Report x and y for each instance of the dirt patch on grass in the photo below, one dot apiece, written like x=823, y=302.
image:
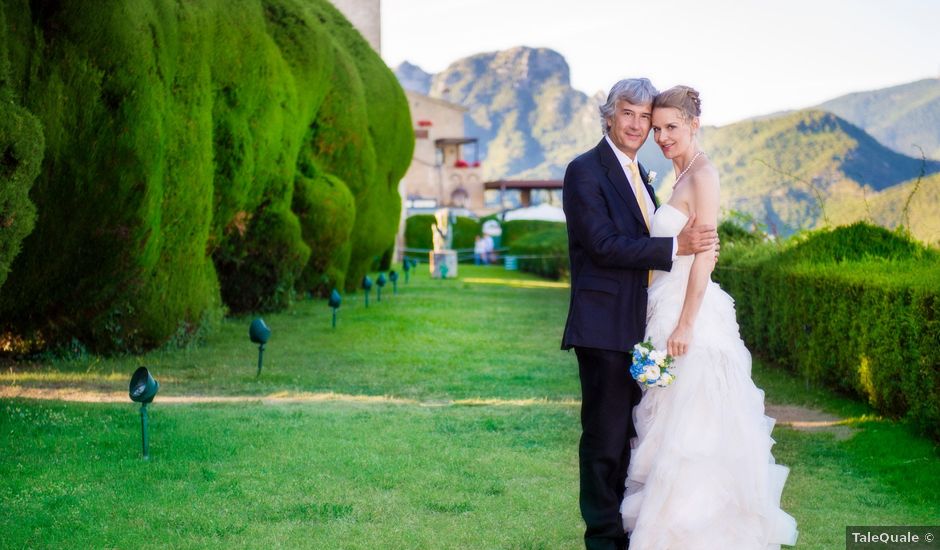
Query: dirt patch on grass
x=809, y=420
x=799, y=418
x=85, y=395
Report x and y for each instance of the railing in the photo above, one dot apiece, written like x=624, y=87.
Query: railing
x=421, y=254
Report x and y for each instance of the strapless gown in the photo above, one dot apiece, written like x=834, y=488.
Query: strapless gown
x=701, y=475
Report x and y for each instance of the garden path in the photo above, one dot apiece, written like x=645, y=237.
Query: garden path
x=796, y=417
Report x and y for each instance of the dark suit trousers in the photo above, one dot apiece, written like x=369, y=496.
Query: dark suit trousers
x=608, y=394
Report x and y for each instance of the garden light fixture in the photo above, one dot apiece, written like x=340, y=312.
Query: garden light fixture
x=259, y=333
x=142, y=390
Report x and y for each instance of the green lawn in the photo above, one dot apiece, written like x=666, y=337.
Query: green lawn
x=330, y=475
x=433, y=340
x=430, y=470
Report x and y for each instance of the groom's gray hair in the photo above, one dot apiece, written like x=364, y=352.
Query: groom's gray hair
x=638, y=91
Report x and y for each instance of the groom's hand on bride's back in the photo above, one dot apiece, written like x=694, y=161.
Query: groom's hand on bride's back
x=697, y=238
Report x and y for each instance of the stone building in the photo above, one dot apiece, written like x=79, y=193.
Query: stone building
x=445, y=169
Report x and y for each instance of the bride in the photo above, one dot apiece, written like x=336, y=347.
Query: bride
x=701, y=474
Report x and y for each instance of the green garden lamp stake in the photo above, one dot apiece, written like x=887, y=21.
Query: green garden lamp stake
x=406, y=267
x=259, y=333
x=142, y=390
x=381, y=282
x=367, y=286
x=335, y=301
x=393, y=277
x=443, y=272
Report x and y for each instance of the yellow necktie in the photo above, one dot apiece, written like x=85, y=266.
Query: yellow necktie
x=640, y=191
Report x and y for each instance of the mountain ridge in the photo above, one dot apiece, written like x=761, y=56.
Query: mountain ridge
x=902, y=117
x=777, y=167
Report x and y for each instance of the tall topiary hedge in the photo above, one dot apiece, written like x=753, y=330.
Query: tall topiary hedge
x=175, y=135
x=856, y=309
x=374, y=152
x=319, y=197
x=21, y=150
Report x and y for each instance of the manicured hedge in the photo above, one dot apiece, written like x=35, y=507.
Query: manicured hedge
x=188, y=147
x=551, y=247
x=418, y=232
x=21, y=151
x=516, y=229
x=317, y=198
x=856, y=309
x=362, y=135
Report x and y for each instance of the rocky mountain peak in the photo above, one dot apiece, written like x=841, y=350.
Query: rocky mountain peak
x=524, y=64
x=413, y=77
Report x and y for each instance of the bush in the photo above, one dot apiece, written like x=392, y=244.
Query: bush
x=732, y=234
x=551, y=244
x=327, y=212
x=859, y=241
x=418, y=232
x=363, y=134
x=856, y=309
x=517, y=229
x=175, y=134
x=258, y=268
x=21, y=148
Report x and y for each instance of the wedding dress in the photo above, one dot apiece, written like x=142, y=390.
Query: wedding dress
x=701, y=475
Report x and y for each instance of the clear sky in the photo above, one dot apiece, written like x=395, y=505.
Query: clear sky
x=746, y=57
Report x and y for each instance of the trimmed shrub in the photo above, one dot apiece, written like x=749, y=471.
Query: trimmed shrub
x=327, y=212
x=257, y=269
x=516, y=229
x=369, y=148
x=418, y=232
x=552, y=247
x=174, y=137
x=859, y=241
x=465, y=233
x=21, y=148
x=856, y=309
x=124, y=196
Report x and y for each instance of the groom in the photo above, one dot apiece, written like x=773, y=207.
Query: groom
x=609, y=203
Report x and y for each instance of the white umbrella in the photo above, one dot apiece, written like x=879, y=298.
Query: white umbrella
x=492, y=228
x=544, y=212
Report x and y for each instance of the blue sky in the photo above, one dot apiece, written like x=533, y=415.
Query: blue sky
x=747, y=57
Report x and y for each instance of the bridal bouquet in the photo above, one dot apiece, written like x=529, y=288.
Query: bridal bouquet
x=651, y=367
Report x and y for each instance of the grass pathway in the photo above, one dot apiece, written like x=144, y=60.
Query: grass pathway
x=794, y=416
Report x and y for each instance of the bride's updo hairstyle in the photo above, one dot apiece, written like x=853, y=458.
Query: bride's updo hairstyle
x=683, y=98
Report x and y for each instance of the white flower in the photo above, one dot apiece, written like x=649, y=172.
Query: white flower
x=641, y=378
x=652, y=177
x=652, y=372
x=666, y=379
x=658, y=356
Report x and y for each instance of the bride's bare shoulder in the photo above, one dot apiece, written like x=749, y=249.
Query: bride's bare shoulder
x=705, y=179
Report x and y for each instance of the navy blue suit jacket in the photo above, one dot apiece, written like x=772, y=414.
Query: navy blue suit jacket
x=610, y=250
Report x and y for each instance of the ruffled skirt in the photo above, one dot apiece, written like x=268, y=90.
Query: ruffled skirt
x=701, y=474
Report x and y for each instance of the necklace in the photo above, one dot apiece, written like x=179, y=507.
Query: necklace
x=679, y=177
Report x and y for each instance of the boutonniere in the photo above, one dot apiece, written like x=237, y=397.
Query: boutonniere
x=651, y=178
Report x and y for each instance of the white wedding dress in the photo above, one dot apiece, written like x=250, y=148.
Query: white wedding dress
x=701, y=474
